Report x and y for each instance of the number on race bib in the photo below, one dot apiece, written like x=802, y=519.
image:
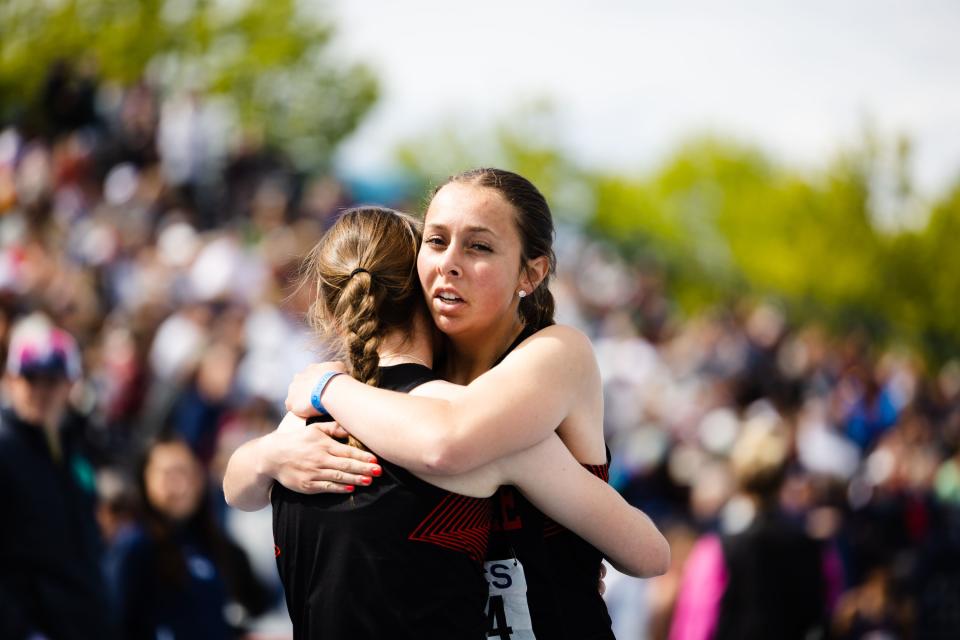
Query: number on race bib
x=497, y=619
x=508, y=614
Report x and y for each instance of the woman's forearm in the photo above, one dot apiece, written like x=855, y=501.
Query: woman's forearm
x=510, y=407
x=435, y=435
x=552, y=479
x=246, y=481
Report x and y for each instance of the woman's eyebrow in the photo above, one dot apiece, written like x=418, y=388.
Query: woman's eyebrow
x=481, y=229
x=471, y=229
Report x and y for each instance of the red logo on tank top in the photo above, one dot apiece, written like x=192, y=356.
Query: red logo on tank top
x=276, y=551
x=459, y=523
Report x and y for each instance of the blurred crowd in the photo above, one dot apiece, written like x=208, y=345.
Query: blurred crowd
x=168, y=245
x=738, y=427
x=171, y=256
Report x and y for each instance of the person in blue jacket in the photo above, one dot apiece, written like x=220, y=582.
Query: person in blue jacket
x=51, y=584
x=177, y=574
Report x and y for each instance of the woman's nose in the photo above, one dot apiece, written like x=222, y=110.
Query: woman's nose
x=450, y=263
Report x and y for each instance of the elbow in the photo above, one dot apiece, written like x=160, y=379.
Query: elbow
x=652, y=559
x=658, y=559
x=233, y=498
x=241, y=497
x=233, y=493
x=445, y=458
x=230, y=496
x=240, y=503
x=664, y=558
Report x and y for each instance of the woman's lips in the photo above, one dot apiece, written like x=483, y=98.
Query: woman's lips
x=447, y=299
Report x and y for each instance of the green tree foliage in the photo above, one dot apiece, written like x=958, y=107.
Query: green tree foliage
x=523, y=142
x=725, y=222
x=269, y=57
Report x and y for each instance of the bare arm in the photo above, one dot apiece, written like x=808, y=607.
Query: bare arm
x=301, y=457
x=552, y=479
x=510, y=407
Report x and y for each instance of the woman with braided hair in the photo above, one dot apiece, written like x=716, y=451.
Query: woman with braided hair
x=483, y=265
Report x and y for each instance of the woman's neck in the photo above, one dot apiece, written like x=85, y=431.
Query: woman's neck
x=469, y=357
x=398, y=347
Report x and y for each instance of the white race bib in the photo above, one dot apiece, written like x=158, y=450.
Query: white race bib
x=508, y=615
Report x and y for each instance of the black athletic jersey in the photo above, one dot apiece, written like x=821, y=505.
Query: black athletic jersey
x=400, y=559
x=562, y=570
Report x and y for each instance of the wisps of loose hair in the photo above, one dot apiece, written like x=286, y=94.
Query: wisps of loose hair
x=364, y=274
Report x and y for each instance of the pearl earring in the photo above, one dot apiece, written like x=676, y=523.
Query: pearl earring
x=521, y=294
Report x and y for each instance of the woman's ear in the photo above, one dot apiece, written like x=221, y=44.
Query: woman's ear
x=533, y=273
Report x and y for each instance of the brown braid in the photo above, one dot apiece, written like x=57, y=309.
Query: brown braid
x=364, y=268
x=357, y=311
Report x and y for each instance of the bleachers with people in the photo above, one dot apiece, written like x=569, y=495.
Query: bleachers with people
x=171, y=261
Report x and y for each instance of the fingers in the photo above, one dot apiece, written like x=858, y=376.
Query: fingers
x=344, y=480
x=346, y=451
x=603, y=571
x=336, y=477
x=332, y=429
x=358, y=472
x=324, y=486
x=341, y=458
x=356, y=467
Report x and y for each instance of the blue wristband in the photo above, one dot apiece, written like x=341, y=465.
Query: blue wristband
x=319, y=387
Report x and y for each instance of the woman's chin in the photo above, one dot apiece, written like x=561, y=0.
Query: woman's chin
x=448, y=325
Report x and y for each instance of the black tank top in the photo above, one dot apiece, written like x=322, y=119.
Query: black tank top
x=400, y=559
x=562, y=570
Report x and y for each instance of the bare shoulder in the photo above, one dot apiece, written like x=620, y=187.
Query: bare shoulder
x=562, y=339
x=555, y=353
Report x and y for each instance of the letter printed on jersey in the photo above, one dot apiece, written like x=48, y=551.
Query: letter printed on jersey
x=508, y=615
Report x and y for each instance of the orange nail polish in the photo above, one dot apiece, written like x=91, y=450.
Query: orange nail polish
x=366, y=480
x=349, y=487
x=377, y=471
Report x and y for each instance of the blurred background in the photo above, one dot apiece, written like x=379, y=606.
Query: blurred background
x=758, y=210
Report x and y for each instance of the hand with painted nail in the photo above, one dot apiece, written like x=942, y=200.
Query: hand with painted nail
x=307, y=460
x=301, y=457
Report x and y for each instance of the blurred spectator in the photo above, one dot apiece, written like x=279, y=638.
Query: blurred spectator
x=66, y=101
x=177, y=574
x=50, y=551
x=871, y=610
x=763, y=579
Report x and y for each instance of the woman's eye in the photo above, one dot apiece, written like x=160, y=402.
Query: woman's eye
x=435, y=241
x=479, y=246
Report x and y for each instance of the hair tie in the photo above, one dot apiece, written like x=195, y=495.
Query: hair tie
x=360, y=270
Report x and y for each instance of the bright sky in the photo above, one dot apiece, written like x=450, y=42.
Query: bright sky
x=632, y=77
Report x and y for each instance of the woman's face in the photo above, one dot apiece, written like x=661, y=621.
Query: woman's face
x=174, y=481
x=469, y=263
